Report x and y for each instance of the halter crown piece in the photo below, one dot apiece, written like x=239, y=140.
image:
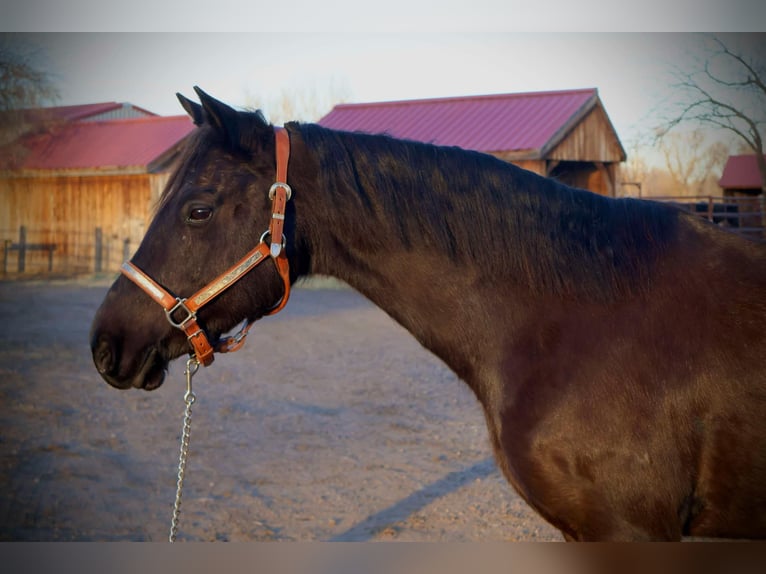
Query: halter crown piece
x=279, y=194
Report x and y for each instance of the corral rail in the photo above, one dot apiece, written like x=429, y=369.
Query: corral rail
x=743, y=215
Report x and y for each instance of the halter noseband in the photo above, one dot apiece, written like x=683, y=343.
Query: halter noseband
x=279, y=194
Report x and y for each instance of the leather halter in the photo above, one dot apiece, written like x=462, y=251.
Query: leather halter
x=279, y=194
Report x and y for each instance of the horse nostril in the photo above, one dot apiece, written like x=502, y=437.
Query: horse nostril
x=103, y=356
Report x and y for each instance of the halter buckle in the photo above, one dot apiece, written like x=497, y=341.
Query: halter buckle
x=180, y=306
x=274, y=248
x=278, y=184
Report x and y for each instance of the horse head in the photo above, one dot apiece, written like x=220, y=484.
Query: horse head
x=213, y=211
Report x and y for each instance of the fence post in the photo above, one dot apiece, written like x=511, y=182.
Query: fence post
x=22, y=248
x=99, y=249
x=126, y=249
x=108, y=244
x=6, y=248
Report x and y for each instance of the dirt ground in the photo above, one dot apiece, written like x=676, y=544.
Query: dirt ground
x=332, y=424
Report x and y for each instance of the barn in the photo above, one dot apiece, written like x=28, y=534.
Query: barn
x=77, y=194
x=565, y=134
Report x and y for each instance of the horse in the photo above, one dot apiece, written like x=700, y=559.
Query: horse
x=616, y=346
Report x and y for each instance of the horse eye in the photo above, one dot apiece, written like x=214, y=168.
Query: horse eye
x=199, y=214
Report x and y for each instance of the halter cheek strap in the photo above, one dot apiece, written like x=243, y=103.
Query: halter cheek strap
x=182, y=313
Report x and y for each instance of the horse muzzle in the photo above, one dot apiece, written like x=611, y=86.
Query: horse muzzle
x=148, y=374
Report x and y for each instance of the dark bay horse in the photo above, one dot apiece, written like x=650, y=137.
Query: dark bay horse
x=617, y=347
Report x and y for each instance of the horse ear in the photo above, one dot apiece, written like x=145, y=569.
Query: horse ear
x=219, y=115
x=238, y=130
x=192, y=108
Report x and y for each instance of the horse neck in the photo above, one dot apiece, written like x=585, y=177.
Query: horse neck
x=371, y=222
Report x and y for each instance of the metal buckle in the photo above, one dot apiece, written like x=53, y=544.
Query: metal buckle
x=275, y=248
x=241, y=334
x=180, y=305
x=233, y=342
x=266, y=234
x=273, y=190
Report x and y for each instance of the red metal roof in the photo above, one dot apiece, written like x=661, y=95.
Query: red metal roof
x=492, y=123
x=75, y=113
x=107, y=144
x=741, y=172
x=78, y=112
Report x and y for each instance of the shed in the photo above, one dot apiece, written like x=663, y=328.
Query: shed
x=743, y=188
x=565, y=134
x=86, y=186
x=741, y=176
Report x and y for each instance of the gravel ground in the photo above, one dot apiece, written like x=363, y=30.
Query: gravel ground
x=332, y=424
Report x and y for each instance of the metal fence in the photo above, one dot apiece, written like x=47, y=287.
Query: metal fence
x=745, y=216
x=29, y=252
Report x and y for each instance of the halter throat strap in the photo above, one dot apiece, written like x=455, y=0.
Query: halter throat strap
x=182, y=312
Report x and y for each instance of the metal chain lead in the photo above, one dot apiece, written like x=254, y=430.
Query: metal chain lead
x=189, y=397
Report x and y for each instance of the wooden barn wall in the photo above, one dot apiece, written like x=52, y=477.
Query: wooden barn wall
x=535, y=165
x=593, y=176
x=592, y=139
x=66, y=210
x=586, y=175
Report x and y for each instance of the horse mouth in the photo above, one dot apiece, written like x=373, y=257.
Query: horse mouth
x=150, y=375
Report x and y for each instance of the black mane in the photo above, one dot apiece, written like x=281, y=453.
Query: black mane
x=519, y=225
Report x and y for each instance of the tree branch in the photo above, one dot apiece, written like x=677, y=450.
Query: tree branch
x=712, y=114
x=753, y=76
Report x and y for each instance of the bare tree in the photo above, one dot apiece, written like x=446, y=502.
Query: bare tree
x=308, y=103
x=634, y=172
x=681, y=161
x=22, y=86
x=691, y=160
x=728, y=91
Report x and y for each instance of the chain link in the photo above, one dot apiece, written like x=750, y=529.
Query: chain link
x=189, y=397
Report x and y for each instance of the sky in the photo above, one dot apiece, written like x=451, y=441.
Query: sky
x=304, y=47
x=631, y=71
x=413, y=16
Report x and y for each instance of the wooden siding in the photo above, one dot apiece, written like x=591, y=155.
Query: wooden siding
x=594, y=176
x=591, y=139
x=533, y=165
x=66, y=210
